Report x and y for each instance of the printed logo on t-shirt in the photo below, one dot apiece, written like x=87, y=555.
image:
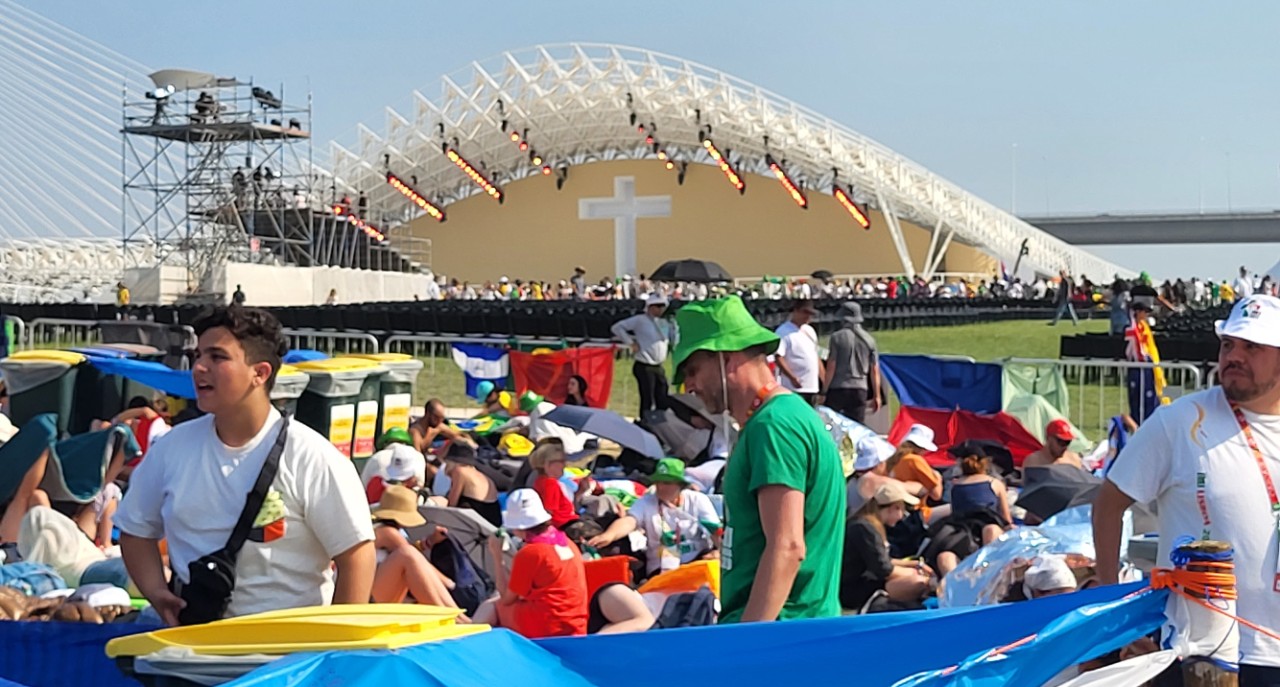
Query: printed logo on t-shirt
x=1198, y=435
x=269, y=525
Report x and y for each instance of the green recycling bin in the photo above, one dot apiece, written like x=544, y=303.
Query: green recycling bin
x=42, y=382
x=341, y=402
x=396, y=393
x=290, y=385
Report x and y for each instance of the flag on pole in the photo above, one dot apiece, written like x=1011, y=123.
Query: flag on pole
x=481, y=363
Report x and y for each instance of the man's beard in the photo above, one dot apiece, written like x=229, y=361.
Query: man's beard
x=1240, y=391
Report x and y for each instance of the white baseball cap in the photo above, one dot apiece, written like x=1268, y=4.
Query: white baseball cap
x=655, y=298
x=920, y=436
x=872, y=451
x=1049, y=572
x=524, y=510
x=1254, y=318
x=405, y=462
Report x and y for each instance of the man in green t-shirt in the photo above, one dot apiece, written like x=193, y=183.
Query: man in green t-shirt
x=784, y=493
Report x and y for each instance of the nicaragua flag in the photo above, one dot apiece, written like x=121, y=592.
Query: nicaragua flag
x=480, y=363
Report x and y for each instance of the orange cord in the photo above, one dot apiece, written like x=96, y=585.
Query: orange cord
x=1199, y=586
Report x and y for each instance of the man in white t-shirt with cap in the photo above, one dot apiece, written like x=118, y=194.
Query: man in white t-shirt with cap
x=1209, y=462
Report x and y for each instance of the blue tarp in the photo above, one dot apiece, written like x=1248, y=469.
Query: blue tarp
x=1083, y=634
x=825, y=651
x=173, y=382
x=499, y=657
x=926, y=382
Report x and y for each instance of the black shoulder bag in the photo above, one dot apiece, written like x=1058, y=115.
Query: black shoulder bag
x=213, y=576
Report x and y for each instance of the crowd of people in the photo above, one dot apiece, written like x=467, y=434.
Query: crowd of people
x=761, y=487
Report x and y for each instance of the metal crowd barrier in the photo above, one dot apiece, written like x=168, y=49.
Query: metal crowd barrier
x=47, y=332
x=1102, y=386
x=333, y=342
x=20, y=341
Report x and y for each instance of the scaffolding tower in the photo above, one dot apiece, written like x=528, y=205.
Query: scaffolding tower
x=216, y=170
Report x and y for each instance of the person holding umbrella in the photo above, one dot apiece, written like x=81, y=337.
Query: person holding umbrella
x=784, y=482
x=649, y=336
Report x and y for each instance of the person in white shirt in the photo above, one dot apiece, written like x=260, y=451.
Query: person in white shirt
x=677, y=522
x=799, y=365
x=1208, y=462
x=192, y=487
x=1243, y=285
x=650, y=338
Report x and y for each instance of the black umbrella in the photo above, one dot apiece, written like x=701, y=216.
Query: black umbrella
x=822, y=274
x=1000, y=456
x=700, y=271
x=1055, y=494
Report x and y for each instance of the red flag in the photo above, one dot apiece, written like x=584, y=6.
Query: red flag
x=952, y=427
x=547, y=374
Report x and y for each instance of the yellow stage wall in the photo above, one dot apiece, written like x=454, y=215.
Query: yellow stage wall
x=536, y=233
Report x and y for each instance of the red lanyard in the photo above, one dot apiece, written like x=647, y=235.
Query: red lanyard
x=761, y=396
x=1201, y=500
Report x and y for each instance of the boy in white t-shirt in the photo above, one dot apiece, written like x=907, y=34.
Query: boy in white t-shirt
x=799, y=364
x=192, y=487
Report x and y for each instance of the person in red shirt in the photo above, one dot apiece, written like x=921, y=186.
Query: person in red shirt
x=548, y=462
x=545, y=594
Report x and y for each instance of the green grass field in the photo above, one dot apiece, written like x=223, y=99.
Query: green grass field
x=442, y=379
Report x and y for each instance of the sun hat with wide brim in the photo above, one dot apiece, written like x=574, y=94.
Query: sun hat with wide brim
x=399, y=505
x=719, y=325
x=524, y=510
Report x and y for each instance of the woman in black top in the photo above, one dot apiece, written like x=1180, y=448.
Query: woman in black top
x=577, y=395
x=867, y=567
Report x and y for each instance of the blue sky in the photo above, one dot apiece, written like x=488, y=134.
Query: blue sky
x=1113, y=107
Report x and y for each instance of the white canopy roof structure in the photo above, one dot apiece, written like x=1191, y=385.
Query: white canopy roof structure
x=576, y=102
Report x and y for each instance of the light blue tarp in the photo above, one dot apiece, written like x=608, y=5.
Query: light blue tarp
x=499, y=657
x=926, y=382
x=1083, y=634
x=172, y=382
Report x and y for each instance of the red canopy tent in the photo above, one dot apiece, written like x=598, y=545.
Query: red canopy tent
x=547, y=374
x=950, y=427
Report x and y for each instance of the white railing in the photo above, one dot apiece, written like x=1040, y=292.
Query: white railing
x=48, y=332
x=333, y=342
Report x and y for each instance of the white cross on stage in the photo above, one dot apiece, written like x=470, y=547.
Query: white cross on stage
x=623, y=208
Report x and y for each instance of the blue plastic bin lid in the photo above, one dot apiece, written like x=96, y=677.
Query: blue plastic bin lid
x=304, y=355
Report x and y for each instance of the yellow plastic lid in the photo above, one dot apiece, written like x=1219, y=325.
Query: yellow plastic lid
x=68, y=357
x=382, y=357
x=339, y=365
x=316, y=628
x=289, y=371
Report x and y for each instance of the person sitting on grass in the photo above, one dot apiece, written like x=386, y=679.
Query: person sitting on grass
x=402, y=569
x=490, y=400
x=548, y=462
x=468, y=487
x=867, y=573
x=432, y=426
x=577, y=392
x=545, y=594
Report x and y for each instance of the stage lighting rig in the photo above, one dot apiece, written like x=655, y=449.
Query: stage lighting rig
x=846, y=201
x=722, y=161
x=369, y=230
x=472, y=173
x=416, y=198
x=792, y=188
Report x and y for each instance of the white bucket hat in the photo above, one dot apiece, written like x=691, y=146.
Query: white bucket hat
x=920, y=436
x=872, y=451
x=524, y=510
x=1254, y=318
x=405, y=462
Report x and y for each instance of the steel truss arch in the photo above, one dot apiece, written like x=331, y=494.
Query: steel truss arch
x=573, y=98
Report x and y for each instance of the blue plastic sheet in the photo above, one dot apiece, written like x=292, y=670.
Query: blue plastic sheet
x=926, y=382
x=1081, y=635
x=53, y=654
x=175, y=383
x=498, y=657
x=867, y=650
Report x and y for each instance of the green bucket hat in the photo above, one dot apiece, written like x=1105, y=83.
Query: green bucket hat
x=669, y=470
x=720, y=325
x=395, y=435
x=529, y=400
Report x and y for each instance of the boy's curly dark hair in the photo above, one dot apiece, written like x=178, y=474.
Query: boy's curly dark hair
x=257, y=330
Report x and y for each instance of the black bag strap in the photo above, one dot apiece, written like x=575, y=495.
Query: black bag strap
x=253, y=502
